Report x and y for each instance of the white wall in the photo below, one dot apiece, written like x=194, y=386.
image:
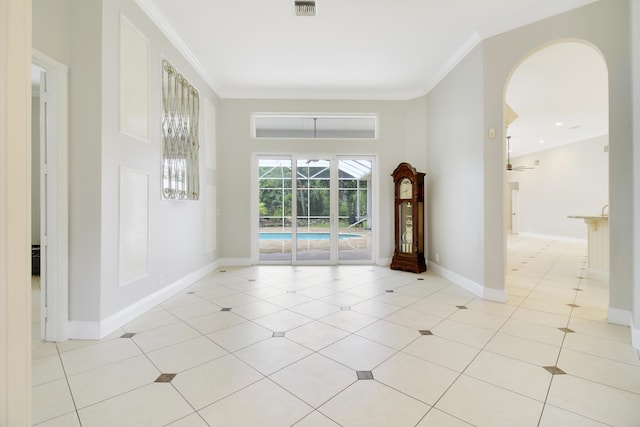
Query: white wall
x=236, y=147
x=570, y=180
x=635, y=44
x=455, y=207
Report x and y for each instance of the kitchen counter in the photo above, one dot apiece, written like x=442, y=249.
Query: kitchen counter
x=598, y=242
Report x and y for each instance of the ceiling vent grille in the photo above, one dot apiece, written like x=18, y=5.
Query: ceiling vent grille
x=305, y=8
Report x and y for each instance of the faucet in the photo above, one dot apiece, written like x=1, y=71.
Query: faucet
x=603, y=208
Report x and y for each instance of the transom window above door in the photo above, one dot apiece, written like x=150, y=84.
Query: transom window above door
x=314, y=126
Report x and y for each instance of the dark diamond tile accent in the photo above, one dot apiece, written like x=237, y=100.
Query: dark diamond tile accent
x=128, y=335
x=278, y=334
x=578, y=289
x=566, y=330
x=365, y=375
x=580, y=277
x=425, y=332
x=226, y=309
x=420, y=278
x=345, y=308
x=252, y=280
x=191, y=293
x=524, y=262
x=337, y=280
x=165, y=378
x=291, y=292
x=223, y=271
x=389, y=290
x=554, y=370
x=514, y=269
x=462, y=307
x=573, y=305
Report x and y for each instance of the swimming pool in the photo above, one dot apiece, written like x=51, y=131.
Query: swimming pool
x=306, y=236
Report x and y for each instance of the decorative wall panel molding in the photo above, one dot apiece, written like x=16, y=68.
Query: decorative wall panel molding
x=134, y=226
x=134, y=81
x=210, y=218
x=180, y=139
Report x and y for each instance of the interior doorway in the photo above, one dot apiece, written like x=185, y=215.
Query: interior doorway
x=556, y=120
x=50, y=208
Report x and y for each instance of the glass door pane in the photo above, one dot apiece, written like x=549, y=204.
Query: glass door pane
x=313, y=234
x=275, y=199
x=355, y=208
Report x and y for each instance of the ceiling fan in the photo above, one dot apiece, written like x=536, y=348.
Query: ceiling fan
x=510, y=167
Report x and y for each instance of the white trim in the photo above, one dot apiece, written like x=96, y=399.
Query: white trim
x=498, y=295
x=152, y=11
x=99, y=330
x=619, y=316
x=635, y=338
x=598, y=274
x=57, y=281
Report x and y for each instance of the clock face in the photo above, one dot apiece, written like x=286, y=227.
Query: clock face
x=406, y=189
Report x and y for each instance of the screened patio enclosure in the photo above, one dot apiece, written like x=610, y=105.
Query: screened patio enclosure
x=315, y=210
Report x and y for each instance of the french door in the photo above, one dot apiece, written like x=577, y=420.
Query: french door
x=315, y=210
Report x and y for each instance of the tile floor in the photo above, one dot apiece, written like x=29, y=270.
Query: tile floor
x=355, y=346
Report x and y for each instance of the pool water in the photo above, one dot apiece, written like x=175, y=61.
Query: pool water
x=306, y=236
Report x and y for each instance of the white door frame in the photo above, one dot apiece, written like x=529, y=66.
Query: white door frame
x=55, y=212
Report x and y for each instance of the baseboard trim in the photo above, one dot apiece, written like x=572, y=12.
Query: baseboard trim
x=98, y=330
x=619, y=316
x=498, y=295
x=635, y=338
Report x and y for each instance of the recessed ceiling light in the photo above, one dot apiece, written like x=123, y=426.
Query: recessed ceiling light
x=559, y=123
x=541, y=141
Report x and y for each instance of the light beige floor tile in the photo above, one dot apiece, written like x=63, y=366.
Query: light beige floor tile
x=315, y=379
x=414, y=319
x=185, y=355
x=343, y=299
x=100, y=354
x=603, y=371
x=315, y=309
x=389, y=334
x=348, y=320
x=215, y=321
x=554, y=417
x=595, y=401
x=316, y=419
x=396, y=298
x=370, y=404
x=437, y=418
x=50, y=400
x=240, y=336
x=375, y=308
x=193, y=420
x=150, y=320
x=479, y=319
x=155, y=404
x=180, y=300
x=449, y=298
x=227, y=373
x=316, y=292
x=164, y=336
x=41, y=348
x=256, y=309
x=443, y=352
x=46, y=369
x=212, y=292
x=483, y=404
x=533, y=331
x=520, y=377
x=541, y=317
x=433, y=307
x=266, y=292
x=197, y=309
x=67, y=420
x=358, y=353
x=288, y=300
x=533, y=352
x=366, y=291
x=553, y=307
x=491, y=307
x=254, y=406
x=273, y=354
x=415, y=377
x=234, y=300
x=463, y=333
x=603, y=347
x=105, y=382
x=282, y=321
x=601, y=329
x=316, y=335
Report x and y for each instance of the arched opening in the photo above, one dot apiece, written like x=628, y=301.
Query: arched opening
x=557, y=176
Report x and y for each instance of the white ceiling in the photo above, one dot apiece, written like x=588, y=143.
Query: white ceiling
x=352, y=49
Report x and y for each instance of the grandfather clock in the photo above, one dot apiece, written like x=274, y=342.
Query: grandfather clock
x=408, y=254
